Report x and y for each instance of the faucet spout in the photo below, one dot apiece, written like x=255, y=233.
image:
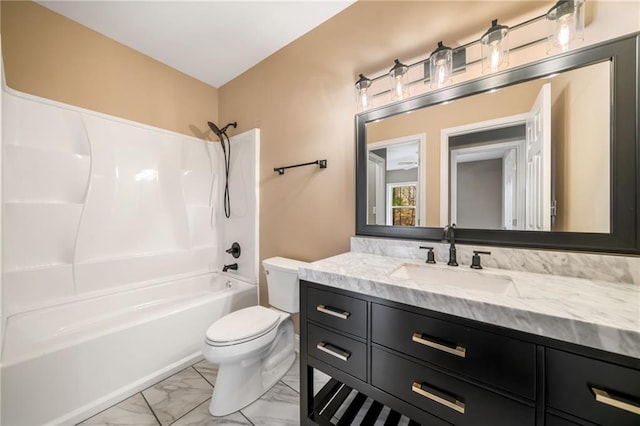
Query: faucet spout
x=448, y=233
x=233, y=266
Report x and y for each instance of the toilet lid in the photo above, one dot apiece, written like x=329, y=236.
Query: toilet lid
x=242, y=325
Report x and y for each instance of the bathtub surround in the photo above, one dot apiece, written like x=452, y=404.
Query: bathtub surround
x=601, y=267
x=114, y=234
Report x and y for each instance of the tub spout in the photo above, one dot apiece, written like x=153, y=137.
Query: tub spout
x=233, y=266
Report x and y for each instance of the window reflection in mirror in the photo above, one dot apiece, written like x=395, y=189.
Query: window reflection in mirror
x=532, y=156
x=394, y=183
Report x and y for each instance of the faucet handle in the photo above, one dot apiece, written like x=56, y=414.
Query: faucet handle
x=475, y=260
x=430, y=256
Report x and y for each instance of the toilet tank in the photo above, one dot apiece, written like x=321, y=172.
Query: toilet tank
x=282, y=283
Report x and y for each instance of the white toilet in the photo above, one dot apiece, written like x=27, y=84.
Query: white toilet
x=254, y=346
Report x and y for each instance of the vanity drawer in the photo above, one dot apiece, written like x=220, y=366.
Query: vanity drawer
x=341, y=352
x=453, y=400
x=338, y=312
x=498, y=360
x=597, y=391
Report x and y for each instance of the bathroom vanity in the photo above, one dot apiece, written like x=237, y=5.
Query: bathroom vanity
x=452, y=346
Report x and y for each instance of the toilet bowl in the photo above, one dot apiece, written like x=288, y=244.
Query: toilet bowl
x=254, y=347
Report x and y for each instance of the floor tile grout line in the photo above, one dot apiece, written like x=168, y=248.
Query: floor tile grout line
x=243, y=415
x=151, y=409
x=198, y=405
x=193, y=409
x=289, y=386
x=202, y=375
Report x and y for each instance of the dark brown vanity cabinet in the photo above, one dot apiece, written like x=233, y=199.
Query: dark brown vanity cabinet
x=435, y=369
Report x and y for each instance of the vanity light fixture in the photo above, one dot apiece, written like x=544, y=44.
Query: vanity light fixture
x=441, y=66
x=566, y=22
x=399, y=81
x=362, y=97
x=495, y=48
x=566, y=25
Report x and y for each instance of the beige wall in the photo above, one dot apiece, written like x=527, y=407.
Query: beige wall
x=48, y=55
x=302, y=98
x=581, y=129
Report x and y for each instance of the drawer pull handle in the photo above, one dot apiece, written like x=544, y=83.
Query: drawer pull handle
x=457, y=350
x=332, y=311
x=454, y=405
x=333, y=351
x=604, y=397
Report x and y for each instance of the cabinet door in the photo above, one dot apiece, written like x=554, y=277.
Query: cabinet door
x=597, y=391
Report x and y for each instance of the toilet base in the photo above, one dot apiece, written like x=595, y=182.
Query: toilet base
x=240, y=383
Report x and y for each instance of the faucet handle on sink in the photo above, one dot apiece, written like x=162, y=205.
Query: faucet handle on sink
x=475, y=260
x=430, y=256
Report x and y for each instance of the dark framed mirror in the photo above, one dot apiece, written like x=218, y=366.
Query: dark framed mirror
x=544, y=155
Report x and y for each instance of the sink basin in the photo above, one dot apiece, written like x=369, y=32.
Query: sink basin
x=463, y=279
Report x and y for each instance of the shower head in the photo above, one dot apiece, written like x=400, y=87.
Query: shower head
x=215, y=129
x=219, y=132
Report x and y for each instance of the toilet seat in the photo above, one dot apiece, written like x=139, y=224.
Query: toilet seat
x=242, y=326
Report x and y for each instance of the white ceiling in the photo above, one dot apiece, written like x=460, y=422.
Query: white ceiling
x=213, y=41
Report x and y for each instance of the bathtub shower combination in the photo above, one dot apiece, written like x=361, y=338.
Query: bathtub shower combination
x=113, y=234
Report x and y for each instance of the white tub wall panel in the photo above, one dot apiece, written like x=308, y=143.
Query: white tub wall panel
x=38, y=235
x=39, y=123
x=30, y=289
x=199, y=155
x=198, y=187
x=200, y=183
x=134, y=205
x=242, y=226
x=202, y=232
x=110, y=273
x=32, y=174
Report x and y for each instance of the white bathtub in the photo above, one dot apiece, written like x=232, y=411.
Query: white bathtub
x=63, y=363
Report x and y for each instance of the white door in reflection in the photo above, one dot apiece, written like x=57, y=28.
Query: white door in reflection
x=538, y=192
x=499, y=171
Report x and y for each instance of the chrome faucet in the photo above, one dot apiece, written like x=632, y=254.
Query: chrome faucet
x=233, y=266
x=449, y=234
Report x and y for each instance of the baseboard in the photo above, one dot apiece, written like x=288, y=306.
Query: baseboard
x=296, y=343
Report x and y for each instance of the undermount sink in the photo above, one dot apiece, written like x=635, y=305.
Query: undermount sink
x=463, y=279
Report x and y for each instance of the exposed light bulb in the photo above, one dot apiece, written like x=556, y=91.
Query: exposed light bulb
x=399, y=88
x=496, y=57
x=364, y=100
x=564, y=34
x=441, y=74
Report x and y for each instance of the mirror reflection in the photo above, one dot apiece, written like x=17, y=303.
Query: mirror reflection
x=532, y=156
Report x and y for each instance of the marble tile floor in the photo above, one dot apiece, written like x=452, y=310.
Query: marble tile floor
x=183, y=400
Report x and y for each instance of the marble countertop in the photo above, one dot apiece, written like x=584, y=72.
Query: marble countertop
x=592, y=313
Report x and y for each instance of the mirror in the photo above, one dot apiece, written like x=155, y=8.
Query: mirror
x=531, y=156
x=535, y=156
